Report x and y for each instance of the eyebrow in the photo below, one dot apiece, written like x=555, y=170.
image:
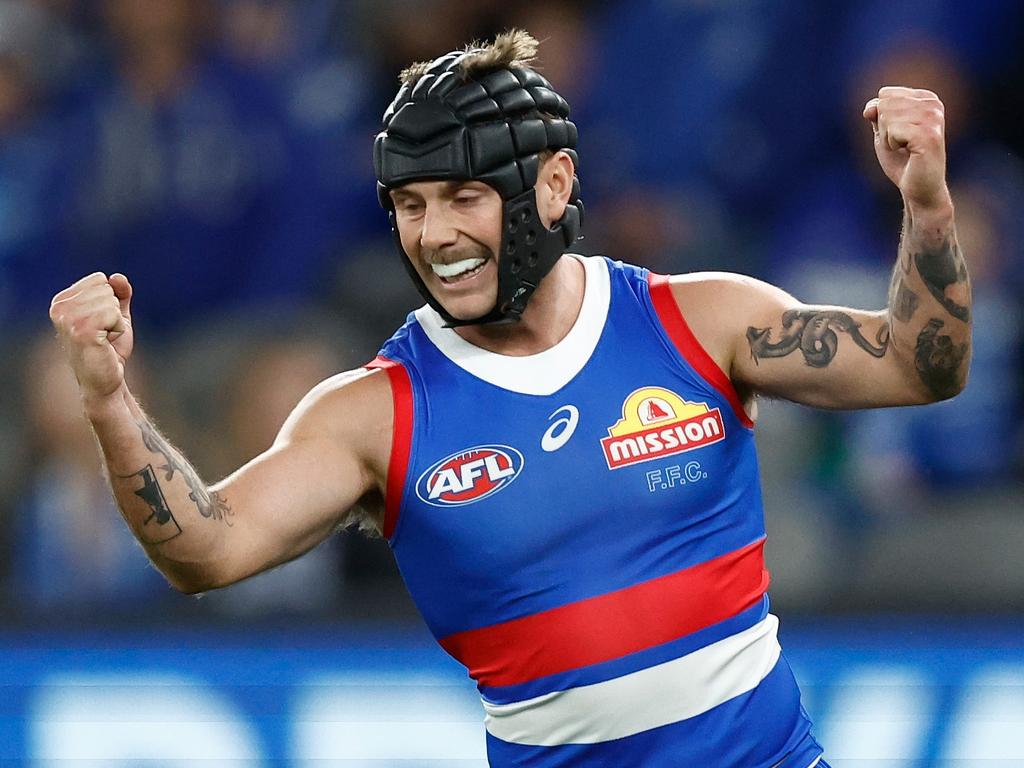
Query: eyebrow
x=451, y=186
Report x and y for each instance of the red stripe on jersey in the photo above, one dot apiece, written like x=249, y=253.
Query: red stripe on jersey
x=676, y=327
x=401, y=439
x=615, y=624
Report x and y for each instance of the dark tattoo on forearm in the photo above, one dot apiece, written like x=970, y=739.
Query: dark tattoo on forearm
x=939, y=361
x=813, y=332
x=903, y=301
x=160, y=526
x=939, y=269
x=210, y=505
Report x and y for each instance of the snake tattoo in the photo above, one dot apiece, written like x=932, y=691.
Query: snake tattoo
x=815, y=334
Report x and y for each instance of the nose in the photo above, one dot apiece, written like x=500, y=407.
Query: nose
x=438, y=229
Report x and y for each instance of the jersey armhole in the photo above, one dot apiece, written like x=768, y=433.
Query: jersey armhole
x=689, y=347
x=401, y=439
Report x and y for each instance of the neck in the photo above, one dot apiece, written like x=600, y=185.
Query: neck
x=548, y=318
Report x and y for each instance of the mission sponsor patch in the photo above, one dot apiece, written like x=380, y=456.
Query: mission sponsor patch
x=657, y=422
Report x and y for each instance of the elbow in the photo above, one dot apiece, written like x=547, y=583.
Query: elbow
x=191, y=578
x=188, y=587
x=955, y=373
x=936, y=370
x=194, y=590
x=934, y=388
x=955, y=387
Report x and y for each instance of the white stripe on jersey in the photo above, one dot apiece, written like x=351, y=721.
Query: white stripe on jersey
x=649, y=698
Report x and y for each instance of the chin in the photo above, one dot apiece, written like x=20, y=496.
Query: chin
x=468, y=300
x=468, y=310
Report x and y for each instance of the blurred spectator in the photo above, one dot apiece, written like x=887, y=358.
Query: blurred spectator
x=307, y=52
x=835, y=238
x=837, y=244
x=34, y=59
x=182, y=176
x=902, y=455
x=258, y=32
x=72, y=552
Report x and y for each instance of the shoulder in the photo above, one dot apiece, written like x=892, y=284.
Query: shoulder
x=718, y=307
x=691, y=284
x=703, y=294
x=725, y=299
x=347, y=398
x=352, y=410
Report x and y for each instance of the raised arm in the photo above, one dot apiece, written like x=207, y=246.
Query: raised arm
x=330, y=453
x=917, y=350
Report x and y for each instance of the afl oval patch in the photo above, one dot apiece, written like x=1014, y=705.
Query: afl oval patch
x=469, y=475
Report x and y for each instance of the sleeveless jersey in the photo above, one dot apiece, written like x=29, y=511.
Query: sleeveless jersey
x=583, y=530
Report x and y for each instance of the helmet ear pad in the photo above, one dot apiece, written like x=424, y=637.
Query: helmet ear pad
x=528, y=251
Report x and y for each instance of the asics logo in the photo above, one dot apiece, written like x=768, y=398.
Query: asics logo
x=561, y=429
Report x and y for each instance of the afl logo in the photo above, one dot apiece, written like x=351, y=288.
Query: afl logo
x=469, y=475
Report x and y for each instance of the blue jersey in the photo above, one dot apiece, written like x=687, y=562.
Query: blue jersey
x=583, y=530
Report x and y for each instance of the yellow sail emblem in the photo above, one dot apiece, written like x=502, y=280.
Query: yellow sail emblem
x=653, y=405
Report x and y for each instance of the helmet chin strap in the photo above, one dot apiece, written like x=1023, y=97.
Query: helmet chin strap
x=529, y=250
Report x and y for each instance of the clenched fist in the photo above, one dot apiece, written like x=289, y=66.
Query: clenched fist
x=94, y=324
x=910, y=143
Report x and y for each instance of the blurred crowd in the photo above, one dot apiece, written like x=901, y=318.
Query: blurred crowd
x=218, y=153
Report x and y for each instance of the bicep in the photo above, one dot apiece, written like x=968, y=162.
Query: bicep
x=823, y=356
x=290, y=498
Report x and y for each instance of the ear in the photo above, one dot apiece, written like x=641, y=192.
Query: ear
x=554, y=187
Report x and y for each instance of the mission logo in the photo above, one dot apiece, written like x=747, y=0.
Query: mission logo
x=469, y=475
x=656, y=423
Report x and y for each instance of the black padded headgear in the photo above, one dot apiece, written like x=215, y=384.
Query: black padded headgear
x=489, y=127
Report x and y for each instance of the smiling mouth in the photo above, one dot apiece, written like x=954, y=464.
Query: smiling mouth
x=458, y=271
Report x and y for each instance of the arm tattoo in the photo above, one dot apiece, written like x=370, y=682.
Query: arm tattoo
x=210, y=505
x=160, y=526
x=940, y=268
x=939, y=361
x=902, y=301
x=156, y=444
x=813, y=332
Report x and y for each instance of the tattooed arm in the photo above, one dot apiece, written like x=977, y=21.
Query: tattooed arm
x=917, y=350
x=273, y=509
x=769, y=343
x=332, y=451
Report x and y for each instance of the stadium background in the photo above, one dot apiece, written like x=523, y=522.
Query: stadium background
x=218, y=153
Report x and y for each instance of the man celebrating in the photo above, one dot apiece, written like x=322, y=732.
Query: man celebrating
x=560, y=448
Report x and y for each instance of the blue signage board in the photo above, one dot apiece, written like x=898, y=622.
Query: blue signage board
x=923, y=694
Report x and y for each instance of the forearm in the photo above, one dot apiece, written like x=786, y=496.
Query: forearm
x=930, y=302
x=179, y=522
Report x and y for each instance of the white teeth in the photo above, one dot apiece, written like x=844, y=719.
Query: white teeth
x=456, y=267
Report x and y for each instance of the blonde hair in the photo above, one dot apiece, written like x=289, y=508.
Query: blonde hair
x=514, y=48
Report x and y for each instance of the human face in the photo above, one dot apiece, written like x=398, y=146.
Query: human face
x=451, y=232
